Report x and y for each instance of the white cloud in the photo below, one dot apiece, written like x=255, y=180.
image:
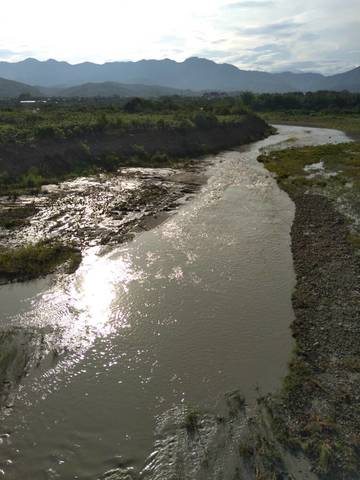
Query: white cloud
x=89, y=30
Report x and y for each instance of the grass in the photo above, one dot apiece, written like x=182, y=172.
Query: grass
x=299, y=374
x=235, y=403
x=344, y=159
x=79, y=125
x=22, y=125
x=321, y=438
x=37, y=260
x=354, y=240
x=31, y=182
x=349, y=123
x=16, y=217
x=191, y=422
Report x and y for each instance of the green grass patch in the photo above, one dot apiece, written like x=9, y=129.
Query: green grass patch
x=349, y=123
x=70, y=119
x=37, y=260
x=354, y=240
x=290, y=165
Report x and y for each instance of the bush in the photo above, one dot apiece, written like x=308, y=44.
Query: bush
x=140, y=152
x=32, y=179
x=205, y=120
x=48, y=131
x=135, y=105
x=160, y=157
x=36, y=260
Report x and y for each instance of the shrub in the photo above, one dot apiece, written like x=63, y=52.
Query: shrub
x=160, y=157
x=48, y=131
x=36, y=260
x=205, y=120
x=32, y=179
x=140, y=152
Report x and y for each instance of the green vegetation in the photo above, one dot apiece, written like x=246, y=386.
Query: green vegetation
x=32, y=261
x=348, y=123
x=331, y=171
x=191, y=421
x=355, y=240
x=26, y=184
x=63, y=119
x=340, y=167
x=235, y=403
x=322, y=102
x=338, y=110
x=101, y=135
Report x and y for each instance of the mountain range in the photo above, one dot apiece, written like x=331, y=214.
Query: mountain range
x=158, y=77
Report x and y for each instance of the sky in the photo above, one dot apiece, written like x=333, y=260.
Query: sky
x=271, y=35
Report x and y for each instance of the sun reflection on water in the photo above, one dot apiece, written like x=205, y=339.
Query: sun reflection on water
x=89, y=304
x=100, y=281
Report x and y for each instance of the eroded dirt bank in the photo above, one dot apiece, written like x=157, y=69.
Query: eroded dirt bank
x=57, y=157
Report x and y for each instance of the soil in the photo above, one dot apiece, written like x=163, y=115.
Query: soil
x=58, y=157
x=320, y=402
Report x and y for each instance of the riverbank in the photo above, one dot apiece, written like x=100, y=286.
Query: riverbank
x=115, y=334
x=81, y=335
x=150, y=177
x=348, y=123
x=309, y=428
x=28, y=164
x=317, y=411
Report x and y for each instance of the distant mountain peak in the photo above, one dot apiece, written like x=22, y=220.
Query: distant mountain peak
x=194, y=73
x=199, y=60
x=30, y=60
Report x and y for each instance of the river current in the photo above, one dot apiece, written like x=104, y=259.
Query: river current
x=182, y=314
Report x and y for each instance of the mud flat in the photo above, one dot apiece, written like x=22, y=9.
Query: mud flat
x=99, y=209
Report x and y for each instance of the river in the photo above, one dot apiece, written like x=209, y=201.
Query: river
x=184, y=313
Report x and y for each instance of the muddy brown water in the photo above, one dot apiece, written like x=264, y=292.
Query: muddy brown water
x=196, y=307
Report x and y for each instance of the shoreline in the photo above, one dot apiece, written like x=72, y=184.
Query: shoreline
x=157, y=195
x=308, y=430
x=321, y=391
x=109, y=150
x=315, y=415
x=106, y=208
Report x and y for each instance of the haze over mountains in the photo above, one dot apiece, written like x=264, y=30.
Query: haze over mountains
x=158, y=77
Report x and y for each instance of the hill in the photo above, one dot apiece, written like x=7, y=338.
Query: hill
x=110, y=89
x=10, y=88
x=195, y=74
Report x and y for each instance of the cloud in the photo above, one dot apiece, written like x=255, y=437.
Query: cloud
x=249, y=4
x=322, y=35
x=7, y=54
x=217, y=42
x=214, y=54
x=277, y=28
x=263, y=55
